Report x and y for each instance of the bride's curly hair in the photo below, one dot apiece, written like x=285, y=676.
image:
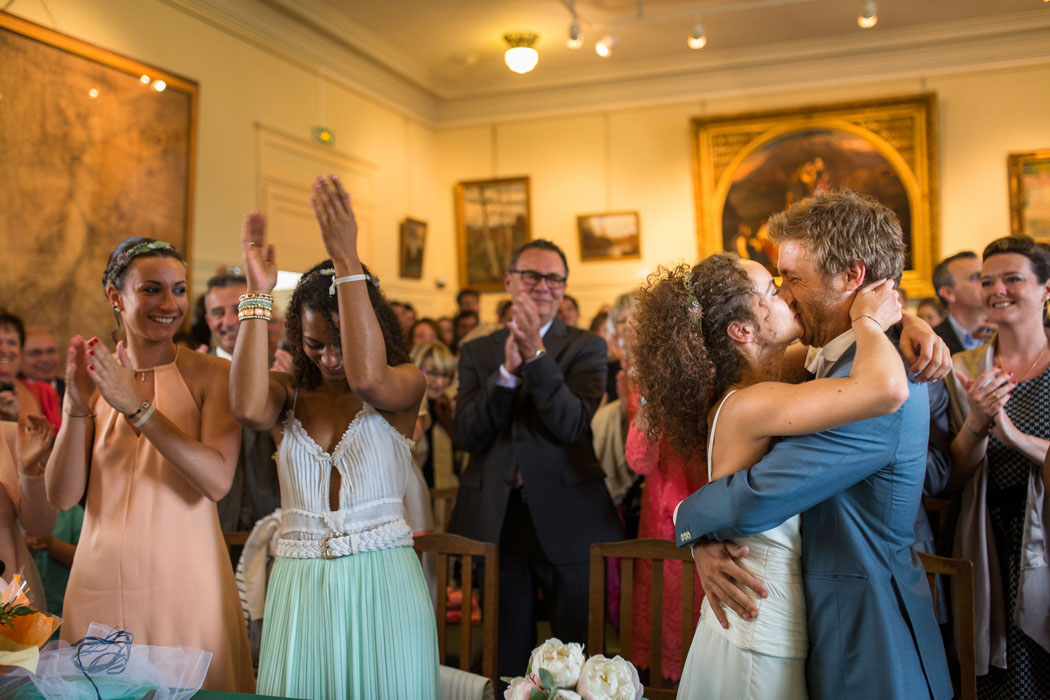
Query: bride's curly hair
x=682, y=354
x=312, y=292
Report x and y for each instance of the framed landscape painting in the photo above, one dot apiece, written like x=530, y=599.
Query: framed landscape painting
x=413, y=243
x=96, y=147
x=492, y=220
x=750, y=166
x=1029, y=175
x=609, y=236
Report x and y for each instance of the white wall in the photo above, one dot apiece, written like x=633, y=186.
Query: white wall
x=636, y=158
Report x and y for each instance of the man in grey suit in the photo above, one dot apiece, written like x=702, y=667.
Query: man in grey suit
x=870, y=617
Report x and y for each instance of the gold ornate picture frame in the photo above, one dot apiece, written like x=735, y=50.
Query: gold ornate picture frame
x=747, y=167
x=1029, y=176
x=413, y=247
x=493, y=219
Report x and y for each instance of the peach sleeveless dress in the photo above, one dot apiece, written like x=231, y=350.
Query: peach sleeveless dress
x=151, y=557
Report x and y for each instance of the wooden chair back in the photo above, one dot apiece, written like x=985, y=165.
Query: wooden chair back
x=962, y=610
x=656, y=551
x=443, y=546
x=442, y=501
x=936, y=511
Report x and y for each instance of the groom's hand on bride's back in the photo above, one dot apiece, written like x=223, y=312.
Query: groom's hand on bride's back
x=727, y=583
x=927, y=356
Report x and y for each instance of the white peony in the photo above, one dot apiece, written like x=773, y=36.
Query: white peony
x=567, y=695
x=519, y=689
x=562, y=661
x=609, y=679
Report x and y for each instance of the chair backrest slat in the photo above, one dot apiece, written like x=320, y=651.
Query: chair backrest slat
x=442, y=546
x=655, y=551
x=963, y=613
x=687, y=606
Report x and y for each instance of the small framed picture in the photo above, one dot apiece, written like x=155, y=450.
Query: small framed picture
x=609, y=236
x=1030, y=194
x=413, y=243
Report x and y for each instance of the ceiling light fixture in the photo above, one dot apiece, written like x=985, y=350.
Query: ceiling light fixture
x=575, y=39
x=604, y=48
x=867, y=17
x=520, y=56
x=698, y=39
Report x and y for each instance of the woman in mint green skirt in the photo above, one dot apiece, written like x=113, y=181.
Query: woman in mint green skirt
x=347, y=610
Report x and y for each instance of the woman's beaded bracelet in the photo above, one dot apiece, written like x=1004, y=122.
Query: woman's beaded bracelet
x=255, y=306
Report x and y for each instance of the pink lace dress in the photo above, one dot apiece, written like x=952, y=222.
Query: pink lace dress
x=668, y=479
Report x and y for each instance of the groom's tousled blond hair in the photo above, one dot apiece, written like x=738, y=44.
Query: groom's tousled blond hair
x=839, y=228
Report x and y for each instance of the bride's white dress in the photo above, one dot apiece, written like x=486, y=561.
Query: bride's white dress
x=764, y=658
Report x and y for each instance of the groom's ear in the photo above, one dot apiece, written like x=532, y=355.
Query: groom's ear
x=855, y=275
x=741, y=331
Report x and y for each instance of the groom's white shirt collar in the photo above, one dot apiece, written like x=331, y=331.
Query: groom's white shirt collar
x=820, y=360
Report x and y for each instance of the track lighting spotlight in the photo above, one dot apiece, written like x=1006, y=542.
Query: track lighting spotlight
x=867, y=17
x=575, y=39
x=698, y=39
x=604, y=48
x=520, y=56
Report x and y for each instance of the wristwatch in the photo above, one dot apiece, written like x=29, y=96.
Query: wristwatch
x=537, y=355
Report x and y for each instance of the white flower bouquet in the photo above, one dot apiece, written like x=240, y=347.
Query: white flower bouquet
x=559, y=671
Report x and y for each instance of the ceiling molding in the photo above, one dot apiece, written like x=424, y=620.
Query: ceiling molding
x=1019, y=48
x=271, y=29
x=325, y=42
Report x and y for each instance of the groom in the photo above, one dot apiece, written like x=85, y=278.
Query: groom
x=872, y=631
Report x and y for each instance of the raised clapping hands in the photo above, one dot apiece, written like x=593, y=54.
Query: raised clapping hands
x=878, y=302
x=32, y=442
x=260, y=266
x=79, y=385
x=986, y=395
x=525, y=326
x=8, y=405
x=113, y=376
x=335, y=216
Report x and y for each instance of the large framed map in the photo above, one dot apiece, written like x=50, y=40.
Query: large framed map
x=95, y=147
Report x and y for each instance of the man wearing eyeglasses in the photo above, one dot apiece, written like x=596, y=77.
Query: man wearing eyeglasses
x=527, y=394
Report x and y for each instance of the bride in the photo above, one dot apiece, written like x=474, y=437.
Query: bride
x=711, y=349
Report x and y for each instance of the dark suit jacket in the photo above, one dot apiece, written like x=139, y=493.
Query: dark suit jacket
x=949, y=336
x=541, y=428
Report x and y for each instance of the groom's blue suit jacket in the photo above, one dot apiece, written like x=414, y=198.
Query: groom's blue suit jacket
x=872, y=632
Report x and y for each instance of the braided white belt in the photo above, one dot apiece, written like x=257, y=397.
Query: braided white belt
x=386, y=536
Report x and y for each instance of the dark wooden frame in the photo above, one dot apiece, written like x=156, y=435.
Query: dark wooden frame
x=444, y=545
x=403, y=259
x=99, y=322
x=1015, y=163
x=581, y=218
x=962, y=611
x=656, y=551
x=461, y=228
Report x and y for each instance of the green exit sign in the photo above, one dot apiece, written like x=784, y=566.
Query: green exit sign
x=324, y=135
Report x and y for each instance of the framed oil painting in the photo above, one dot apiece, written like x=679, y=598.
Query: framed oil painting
x=750, y=166
x=413, y=243
x=609, y=236
x=1029, y=175
x=97, y=147
x=492, y=219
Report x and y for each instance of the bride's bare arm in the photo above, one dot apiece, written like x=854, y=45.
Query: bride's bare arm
x=877, y=383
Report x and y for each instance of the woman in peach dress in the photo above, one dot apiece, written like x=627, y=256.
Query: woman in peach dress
x=149, y=433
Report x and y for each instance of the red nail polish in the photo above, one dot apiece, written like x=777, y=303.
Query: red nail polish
x=91, y=367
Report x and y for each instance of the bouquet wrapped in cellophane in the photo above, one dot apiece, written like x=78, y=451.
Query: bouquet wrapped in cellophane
x=22, y=630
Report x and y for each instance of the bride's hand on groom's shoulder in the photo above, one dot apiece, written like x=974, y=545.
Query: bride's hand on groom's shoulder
x=726, y=581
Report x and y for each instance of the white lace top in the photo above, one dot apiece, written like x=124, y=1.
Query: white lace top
x=372, y=458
